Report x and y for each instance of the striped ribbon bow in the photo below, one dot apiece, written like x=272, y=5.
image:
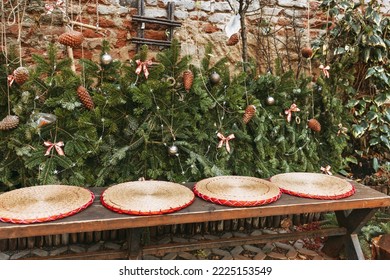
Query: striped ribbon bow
x=288, y=112
x=225, y=140
x=57, y=146
x=143, y=66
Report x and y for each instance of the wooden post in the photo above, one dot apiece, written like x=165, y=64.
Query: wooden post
x=134, y=242
x=3, y=245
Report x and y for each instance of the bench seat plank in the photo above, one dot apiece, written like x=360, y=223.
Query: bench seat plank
x=98, y=218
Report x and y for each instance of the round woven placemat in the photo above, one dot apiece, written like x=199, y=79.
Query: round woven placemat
x=147, y=197
x=43, y=203
x=237, y=191
x=313, y=185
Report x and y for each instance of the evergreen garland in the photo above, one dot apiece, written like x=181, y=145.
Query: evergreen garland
x=137, y=118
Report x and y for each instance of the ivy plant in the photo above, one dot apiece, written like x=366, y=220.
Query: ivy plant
x=356, y=46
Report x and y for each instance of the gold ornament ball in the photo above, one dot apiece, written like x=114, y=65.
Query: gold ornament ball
x=173, y=150
x=215, y=78
x=106, y=59
x=270, y=101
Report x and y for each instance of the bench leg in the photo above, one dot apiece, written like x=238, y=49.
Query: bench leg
x=134, y=243
x=353, y=222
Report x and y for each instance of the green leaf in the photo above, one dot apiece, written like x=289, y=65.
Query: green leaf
x=374, y=141
x=384, y=128
x=351, y=160
x=385, y=141
x=379, y=54
x=377, y=19
x=384, y=78
x=380, y=99
x=375, y=164
x=366, y=54
x=352, y=103
x=372, y=115
x=371, y=71
x=358, y=130
x=344, y=173
x=376, y=41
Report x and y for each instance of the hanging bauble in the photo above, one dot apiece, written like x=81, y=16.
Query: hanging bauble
x=21, y=75
x=306, y=52
x=250, y=111
x=9, y=122
x=233, y=40
x=43, y=119
x=173, y=150
x=106, y=59
x=270, y=101
x=71, y=38
x=188, y=79
x=85, y=98
x=215, y=78
x=314, y=125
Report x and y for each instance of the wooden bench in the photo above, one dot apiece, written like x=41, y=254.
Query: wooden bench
x=352, y=214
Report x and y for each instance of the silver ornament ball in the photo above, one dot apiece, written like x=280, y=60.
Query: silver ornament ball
x=173, y=150
x=106, y=59
x=215, y=78
x=270, y=101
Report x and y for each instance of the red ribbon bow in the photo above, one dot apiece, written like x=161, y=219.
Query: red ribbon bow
x=57, y=146
x=326, y=170
x=225, y=140
x=143, y=66
x=10, y=79
x=325, y=70
x=293, y=108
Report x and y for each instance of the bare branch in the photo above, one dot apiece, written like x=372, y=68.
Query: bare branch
x=231, y=6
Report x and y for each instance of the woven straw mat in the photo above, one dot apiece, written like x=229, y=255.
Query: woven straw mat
x=237, y=191
x=313, y=185
x=43, y=203
x=147, y=197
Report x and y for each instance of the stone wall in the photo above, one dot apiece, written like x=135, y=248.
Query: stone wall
x=275, y=27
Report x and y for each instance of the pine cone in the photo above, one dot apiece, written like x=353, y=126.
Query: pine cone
x=314, y=125
x=188, y=79
x=250, y=111
x=21, y=75
x=71, y=38
x=9, y=122
x=306, y=52
x=233, y=40
x=85, y=98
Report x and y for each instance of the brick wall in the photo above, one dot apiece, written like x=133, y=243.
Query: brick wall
x=275, y=27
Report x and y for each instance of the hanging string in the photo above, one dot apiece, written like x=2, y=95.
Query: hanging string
x=82, y=46
x=309, y=45
x=98, y=17
x=5, y=52
x=308, y=33
x=20, y=22
x=71, y=14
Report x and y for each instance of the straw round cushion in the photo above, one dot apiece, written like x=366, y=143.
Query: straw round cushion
x=147, y=197
x=313, y=185
x=43, y=203
x=237, y=191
